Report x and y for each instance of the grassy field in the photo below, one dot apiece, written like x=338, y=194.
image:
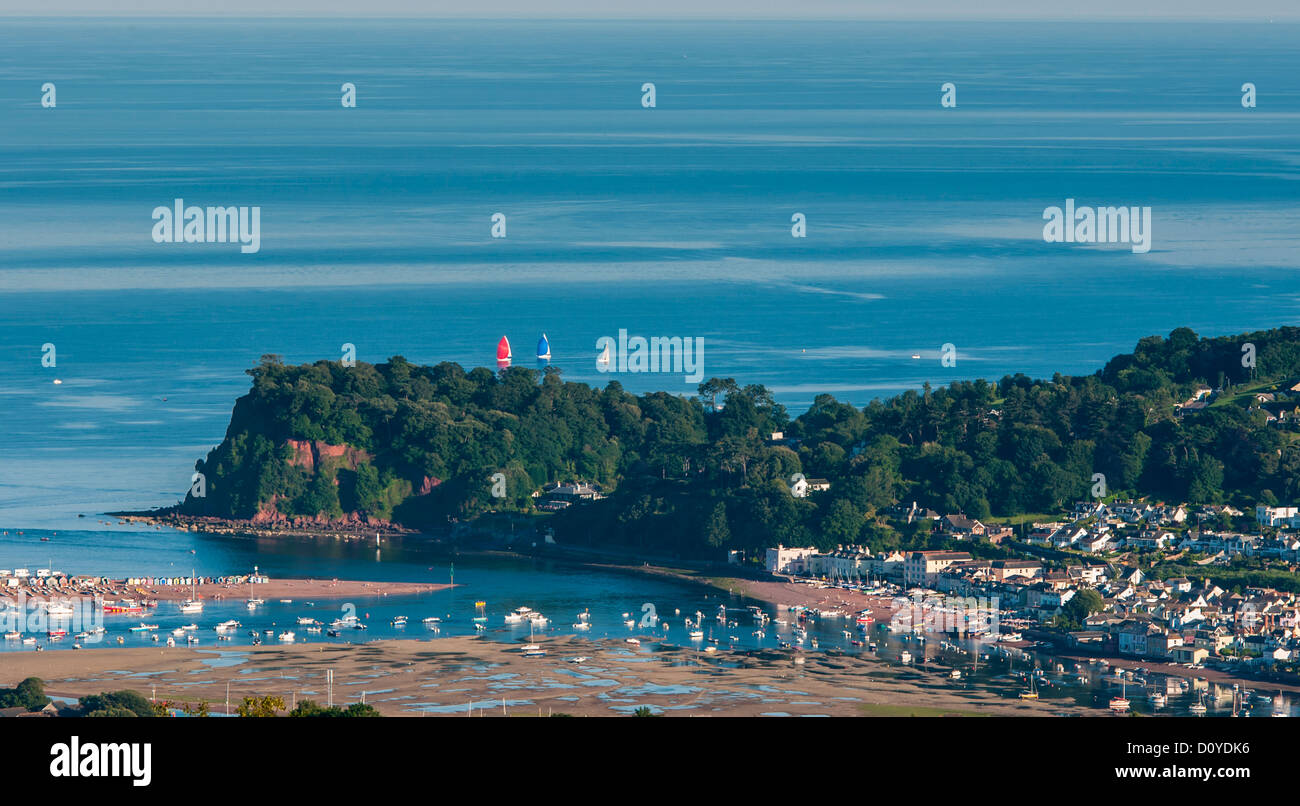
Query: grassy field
x=1028, y=517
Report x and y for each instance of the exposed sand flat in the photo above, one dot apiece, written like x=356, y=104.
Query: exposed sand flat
x=272, y=589
x=295, y=589
x=444, y=676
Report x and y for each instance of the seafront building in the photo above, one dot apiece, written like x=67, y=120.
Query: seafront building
x=1114, y=551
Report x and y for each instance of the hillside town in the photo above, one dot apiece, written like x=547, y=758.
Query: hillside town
x=1201, y=587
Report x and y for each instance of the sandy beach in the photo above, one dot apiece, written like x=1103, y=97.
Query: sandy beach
x=472, y=676
x=786, y=594
x=270, y=590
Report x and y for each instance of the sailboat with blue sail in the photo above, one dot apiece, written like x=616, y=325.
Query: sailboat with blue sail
x=543, y=349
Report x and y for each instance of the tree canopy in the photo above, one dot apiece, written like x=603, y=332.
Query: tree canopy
x=697, y=476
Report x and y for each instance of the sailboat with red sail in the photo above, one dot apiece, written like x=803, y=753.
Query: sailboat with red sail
x=503, y=352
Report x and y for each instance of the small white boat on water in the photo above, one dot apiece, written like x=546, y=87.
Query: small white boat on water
x=13, y=635
x=192, y=604
x=286, y=636
x=227, y=626
x=59, y=610
x=520, y=615
x=634, y=641
x=905, y=657
x=1121, y=704
x=1199, y=708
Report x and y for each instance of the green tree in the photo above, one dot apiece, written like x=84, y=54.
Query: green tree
x=261, y=706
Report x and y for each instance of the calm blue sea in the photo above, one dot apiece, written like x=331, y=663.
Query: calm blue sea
x=924, y=224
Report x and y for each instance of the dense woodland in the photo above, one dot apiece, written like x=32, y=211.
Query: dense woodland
x=695, y=476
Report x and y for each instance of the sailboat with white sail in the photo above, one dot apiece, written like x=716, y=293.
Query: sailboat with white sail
x=253, y=601
x=192, y=604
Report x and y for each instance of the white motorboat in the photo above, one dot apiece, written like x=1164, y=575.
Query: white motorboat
x=59, y=610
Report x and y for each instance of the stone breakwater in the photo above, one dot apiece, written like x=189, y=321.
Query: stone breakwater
x=347, y=529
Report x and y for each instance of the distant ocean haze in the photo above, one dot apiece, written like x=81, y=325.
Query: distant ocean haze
x=924, y=225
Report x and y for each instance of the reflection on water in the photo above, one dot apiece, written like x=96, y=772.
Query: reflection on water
x=560, y=592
